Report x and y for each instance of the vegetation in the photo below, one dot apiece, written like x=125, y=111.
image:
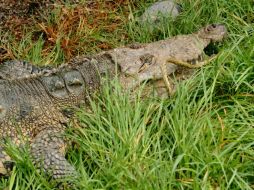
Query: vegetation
x=201, y=138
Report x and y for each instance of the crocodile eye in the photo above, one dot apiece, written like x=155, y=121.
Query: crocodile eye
x=59, y=85
x=55, y=86
x=74, y=82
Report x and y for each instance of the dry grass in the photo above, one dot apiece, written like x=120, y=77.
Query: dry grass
x=83, y=28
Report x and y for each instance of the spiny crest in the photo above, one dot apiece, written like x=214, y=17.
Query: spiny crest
x=11, y=70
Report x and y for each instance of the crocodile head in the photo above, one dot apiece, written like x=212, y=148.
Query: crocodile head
x=213, y=32
x=72, y=83
x=66, y=86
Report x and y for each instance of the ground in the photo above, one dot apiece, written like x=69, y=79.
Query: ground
x=201, y=138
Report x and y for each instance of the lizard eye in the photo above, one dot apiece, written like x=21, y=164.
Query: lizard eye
x=55, y=85
x=74, y=82
x=214, y=25
x=211, y=27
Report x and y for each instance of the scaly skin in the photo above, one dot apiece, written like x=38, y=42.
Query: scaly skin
x=31, y=110
x=33, y=100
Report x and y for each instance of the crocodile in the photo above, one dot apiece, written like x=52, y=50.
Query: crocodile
x=33, y=99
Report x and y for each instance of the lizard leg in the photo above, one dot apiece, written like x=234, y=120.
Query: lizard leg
x=166, y=79
x=189, y=65
x=48, y=151
x=5, y=162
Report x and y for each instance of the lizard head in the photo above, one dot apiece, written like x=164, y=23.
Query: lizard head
x=213, y=32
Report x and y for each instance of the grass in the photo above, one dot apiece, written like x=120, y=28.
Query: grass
x=202, y=138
